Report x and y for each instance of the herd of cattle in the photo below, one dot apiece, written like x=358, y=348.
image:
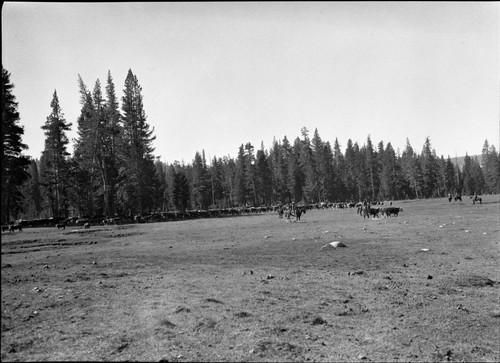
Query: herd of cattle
x=366, y=210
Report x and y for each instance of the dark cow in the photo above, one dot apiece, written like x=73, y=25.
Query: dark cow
x=476, y=198
x=298, y=213
x=86, y=225
x=13, y=227
x=61, y=225
x=458, y=197
x=369, y=211
x=281, y=211
x=390, y=211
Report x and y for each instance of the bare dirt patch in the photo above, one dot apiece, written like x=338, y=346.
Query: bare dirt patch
x=422, y=286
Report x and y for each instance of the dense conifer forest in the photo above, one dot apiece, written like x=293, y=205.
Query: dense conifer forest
x=113, y=170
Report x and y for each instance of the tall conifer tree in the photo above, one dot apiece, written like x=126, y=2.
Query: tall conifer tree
x=411, y=171
x=14, y=163
x=339, y=175
x=32, y=194
x=55, y=173
x=370, y=168
x=429, y=170
x=490, y=163
x=240, y=181
x=112, y=144
x=200, y=186
x=350, y=173
x=137, y=168
x=263, y=176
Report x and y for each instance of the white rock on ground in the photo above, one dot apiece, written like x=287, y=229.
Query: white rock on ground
x=334, y=244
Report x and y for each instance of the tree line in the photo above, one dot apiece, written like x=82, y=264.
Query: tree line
x=113, y=171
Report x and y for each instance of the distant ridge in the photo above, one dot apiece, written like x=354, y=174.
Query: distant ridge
x=460, y=160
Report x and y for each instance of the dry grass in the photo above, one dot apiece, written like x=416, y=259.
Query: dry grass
x=255, y=288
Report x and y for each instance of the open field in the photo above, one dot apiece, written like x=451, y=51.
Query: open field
x=256, y=288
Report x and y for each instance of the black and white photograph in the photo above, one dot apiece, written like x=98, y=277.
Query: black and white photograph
x=258, y=181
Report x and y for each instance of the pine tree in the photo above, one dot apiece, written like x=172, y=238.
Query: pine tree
x=228, y=181
x=473, y=178
x=412, y=173
x=306, y=180
x=331, y=178
x=263, y=177
x=137, y=165
x=113, y=143
x=296, y=177
x=429, y=170
x=361, y=174
x=216, y=183
x=321, y=167
x=370, y=158
x=397, y=173
x=250, y=187
x=340, y=190
x=84, y=167
x=101, y=158
x=450, y=178
x=286, y=154
x=381, y=193
x=277, y=179
x=169, y=179
x=350, y=172
x=160, y=187
x=479, y=180
x=468, y=176
x=180, y=189
x=240, y=191
x=14, y=163
x=55, y=172
x=388, y=175
x=79, y=190
x=200, y=185
x=491, y=168
x=32, y=194
x=441, y=169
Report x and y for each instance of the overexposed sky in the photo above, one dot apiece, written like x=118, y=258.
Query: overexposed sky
x=218, y=75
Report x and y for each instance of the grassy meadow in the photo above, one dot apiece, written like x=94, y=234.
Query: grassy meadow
x=423, y=286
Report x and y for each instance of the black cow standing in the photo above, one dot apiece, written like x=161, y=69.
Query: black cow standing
x=298, y=213
x=477, y=199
